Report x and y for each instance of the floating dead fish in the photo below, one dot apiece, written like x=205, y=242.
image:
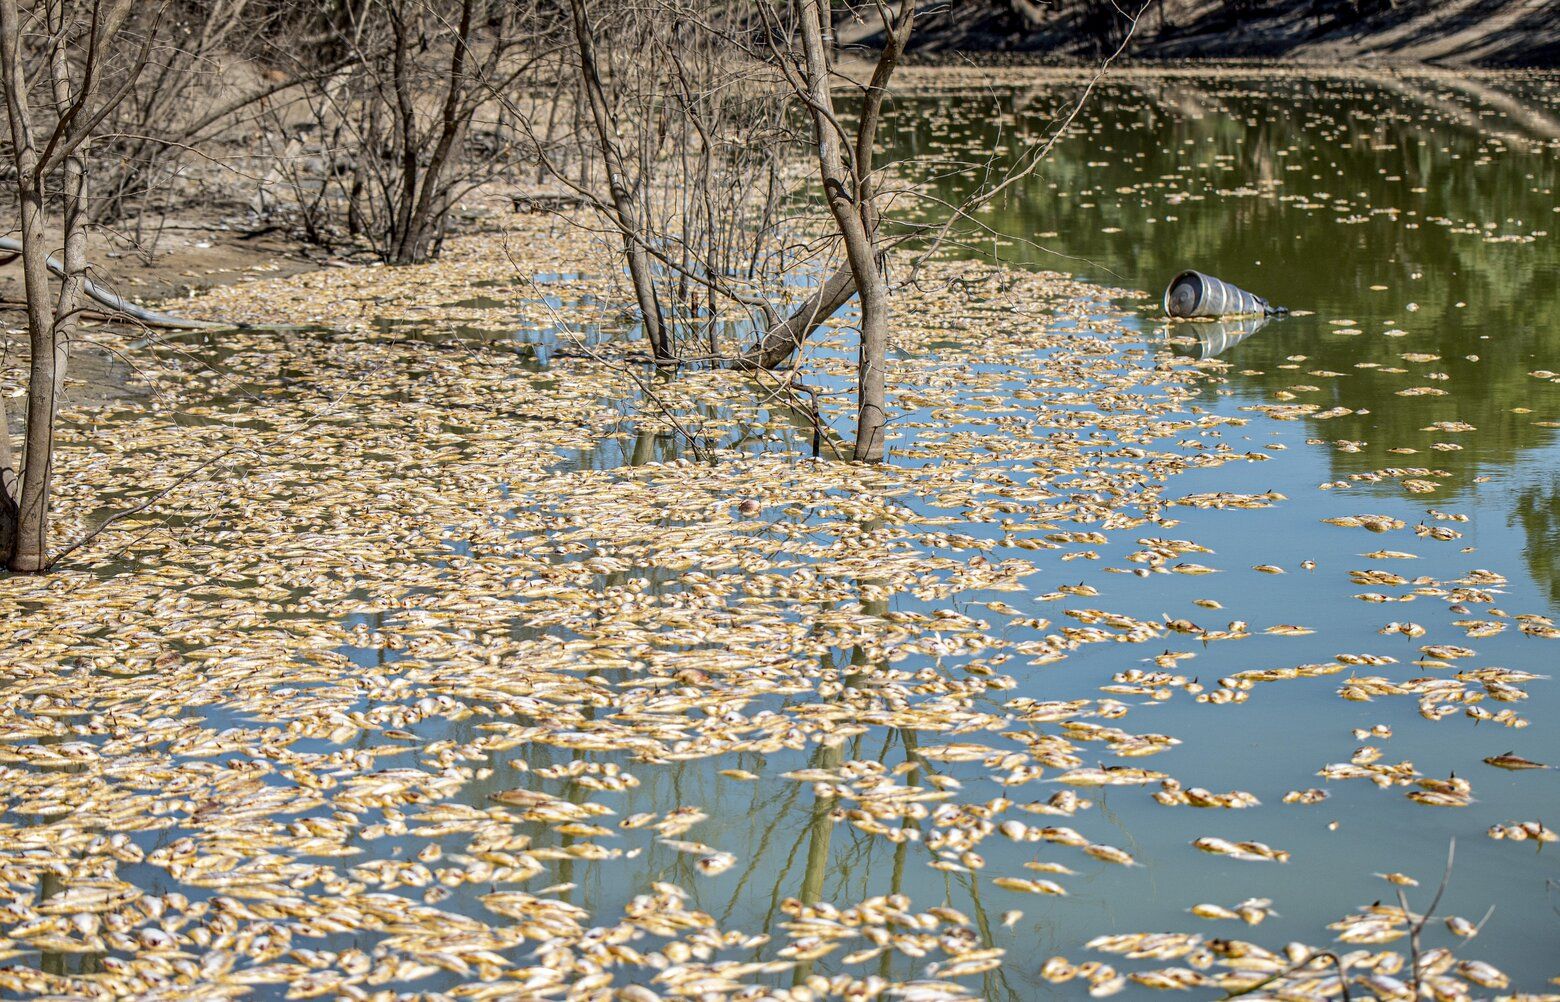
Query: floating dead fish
x=1248, y=851
x=1507, y=760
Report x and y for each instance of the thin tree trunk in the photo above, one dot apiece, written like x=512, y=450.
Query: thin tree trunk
x=872, y=401
x=547, y=135
x=406, y=125
x=433, y=202
x=32, y=496
x=8, y=486
x=74, y=214
x=49, y=326
x=452, y=125
x=354, y=203
x=639, y=271
x=25, y=486
x=871, y=371
x=777, y=344
x=29, y=551
x=850, y=200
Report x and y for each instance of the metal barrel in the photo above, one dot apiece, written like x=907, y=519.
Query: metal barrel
x=1193, y=294
x=1216, y=338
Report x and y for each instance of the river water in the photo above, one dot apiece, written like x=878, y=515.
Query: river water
x=1407, y=222
x=1415, y=220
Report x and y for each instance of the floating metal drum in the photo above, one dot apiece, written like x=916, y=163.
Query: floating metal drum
x=1193, y=294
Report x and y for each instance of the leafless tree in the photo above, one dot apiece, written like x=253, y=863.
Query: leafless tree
x=795, y=53
x=214, y=65
x=686, y=136
x=116, y=92
x=788, y=44
x=849, y=181
x=623, y=201
x=57, y=58
x=422, y=70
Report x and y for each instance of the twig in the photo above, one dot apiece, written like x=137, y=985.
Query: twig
x=1343, y=981
x=1416, y=927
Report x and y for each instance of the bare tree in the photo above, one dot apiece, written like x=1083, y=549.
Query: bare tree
x=623, y=202
x=845, y=168
x=423, y=69
x=796, y=57
x=792, y=40
x=797, y=51
x=55, y=56
x=643, y=122
x=688, y=135
x=850, y=182
x=218, y=68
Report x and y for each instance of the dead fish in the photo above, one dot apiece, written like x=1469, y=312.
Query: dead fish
x=1248, y=851
x=1507, y=760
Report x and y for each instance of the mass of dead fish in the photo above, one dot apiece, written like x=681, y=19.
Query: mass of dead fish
x=478, y=678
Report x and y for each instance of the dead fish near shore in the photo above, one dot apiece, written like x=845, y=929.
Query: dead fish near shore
x=1248, y=851
x=1507, y=760
x=1519, y=832
x=428, y=676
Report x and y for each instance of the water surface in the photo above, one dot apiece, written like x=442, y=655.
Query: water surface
x=1309, y=192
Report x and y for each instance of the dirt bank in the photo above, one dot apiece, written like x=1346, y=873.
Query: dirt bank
x=1451, y=32
x=190, y=255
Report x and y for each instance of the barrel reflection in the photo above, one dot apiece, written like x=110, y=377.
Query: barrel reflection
x=1208, y=340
